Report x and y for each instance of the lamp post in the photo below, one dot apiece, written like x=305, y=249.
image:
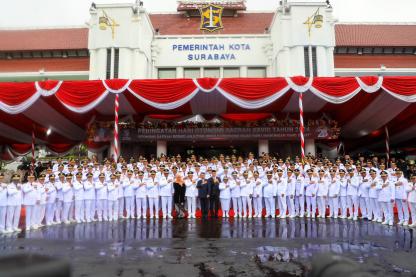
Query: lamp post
x=315, y=20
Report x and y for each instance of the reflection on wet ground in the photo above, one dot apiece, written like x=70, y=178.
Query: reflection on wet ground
x=218, y=247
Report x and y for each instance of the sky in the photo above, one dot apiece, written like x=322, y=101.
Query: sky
x=42, y=13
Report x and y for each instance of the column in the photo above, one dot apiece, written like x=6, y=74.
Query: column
x=161, y=147
x=310, y=147
x=263, y=146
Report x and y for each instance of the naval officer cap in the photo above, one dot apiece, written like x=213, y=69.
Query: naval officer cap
x=190, y=172
x=102, y=175
x=89, y=175
x=15, y=177
x=42, y=176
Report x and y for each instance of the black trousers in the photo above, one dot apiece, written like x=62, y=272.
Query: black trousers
x=204, y=206
x=214, y=205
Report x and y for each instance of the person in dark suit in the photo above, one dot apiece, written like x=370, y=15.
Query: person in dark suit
x=204, y=192
x=214, y=199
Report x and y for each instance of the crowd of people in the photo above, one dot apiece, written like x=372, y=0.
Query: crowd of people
x=227, y=186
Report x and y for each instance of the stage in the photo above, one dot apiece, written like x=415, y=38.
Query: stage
x=222, y=247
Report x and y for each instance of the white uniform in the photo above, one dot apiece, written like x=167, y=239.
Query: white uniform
x=343, y=196
x=374, y=213
x=258, y=196
x=166, y=192
x=290, y=195
x=128, y=193
x=269, y=194
x=333, y=196
x=363, y=189
x=68, y=196
x=102, y=199
x=79, y=200
x=225, y=196
x=59, y=202
x=352, y=194
x=50, y=202
x=30, y=198
x=281, y=189
x=112, y=200
x=236, y=196
x=41, y=207
x=386, y=198
x=141, y=197
x=191, y=193
x=152, y=186
x=401, y=189
x=89, y=200
x=14, y=205
x=311, y=188
x=412, y=201
x=322, y=194
x=3, y=206
x=246, y=192
x=300, y=196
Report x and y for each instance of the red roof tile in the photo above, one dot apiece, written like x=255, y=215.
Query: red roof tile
x=375, y=61
x=44, y=39
x=50, y=64
x=375, y=35
x=244, y=23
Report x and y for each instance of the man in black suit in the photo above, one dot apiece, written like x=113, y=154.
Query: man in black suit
x=204, y=191
x=214, y=183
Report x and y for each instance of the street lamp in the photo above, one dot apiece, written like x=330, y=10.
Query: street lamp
x=315, y=20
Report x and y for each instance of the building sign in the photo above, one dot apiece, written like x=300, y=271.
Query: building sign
x=104, y=133
x=211, y=18
x=212, y=51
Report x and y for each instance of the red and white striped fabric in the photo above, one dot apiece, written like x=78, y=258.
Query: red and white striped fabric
x=362, y=105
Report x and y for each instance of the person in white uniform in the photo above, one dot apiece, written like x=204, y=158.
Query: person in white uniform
x=14, y=204
x=166, y=193
x=225, y=196
x=236, y=195
x=152, y=186
x=333, y=194
x=128, y=193
x=352, y=194
x=412, y=199
x=50, y=200
x=30, y=198
x=311, y=188
x=102, y=196
x=269, y=194
x=59, y=198
x=78, y=188
x=281, y=189
x=191, y=194
x=3, y=204
x=373, y=206
x=68, y=198
x=141, y=195
x=89, y=197
x=343, y=193
x=386, y=198
x=112, y=201
x=322, y=193
x=291, y=192
x=363, y=189
x=401, y=190
x=299, y=193
x=41, y=207
x=257, y=194
x=246, y=193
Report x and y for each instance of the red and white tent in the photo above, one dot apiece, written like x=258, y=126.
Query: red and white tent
x=362, y=105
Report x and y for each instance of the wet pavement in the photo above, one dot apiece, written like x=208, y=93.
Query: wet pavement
x=222, y=247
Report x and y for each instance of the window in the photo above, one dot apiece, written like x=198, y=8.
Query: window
x=256, y=72
x=166, y=73
x=108, y=66
x=212, y=73
x=231, y=72
x=116, y=62
x=314, y=62
x=192, y=73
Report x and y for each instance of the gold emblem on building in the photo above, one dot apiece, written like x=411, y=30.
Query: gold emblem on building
x=211, y=18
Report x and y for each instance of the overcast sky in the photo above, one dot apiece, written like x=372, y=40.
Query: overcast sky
x=33, y=13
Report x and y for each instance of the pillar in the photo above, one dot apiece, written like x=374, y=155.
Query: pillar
x=310, y=147
x=161, y=147
x=263, y=146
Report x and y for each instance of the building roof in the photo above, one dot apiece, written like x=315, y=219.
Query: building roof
x=244, y=23
x=377, y=35
x=44, y=39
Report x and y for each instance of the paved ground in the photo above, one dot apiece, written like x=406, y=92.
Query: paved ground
x=223, y=247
